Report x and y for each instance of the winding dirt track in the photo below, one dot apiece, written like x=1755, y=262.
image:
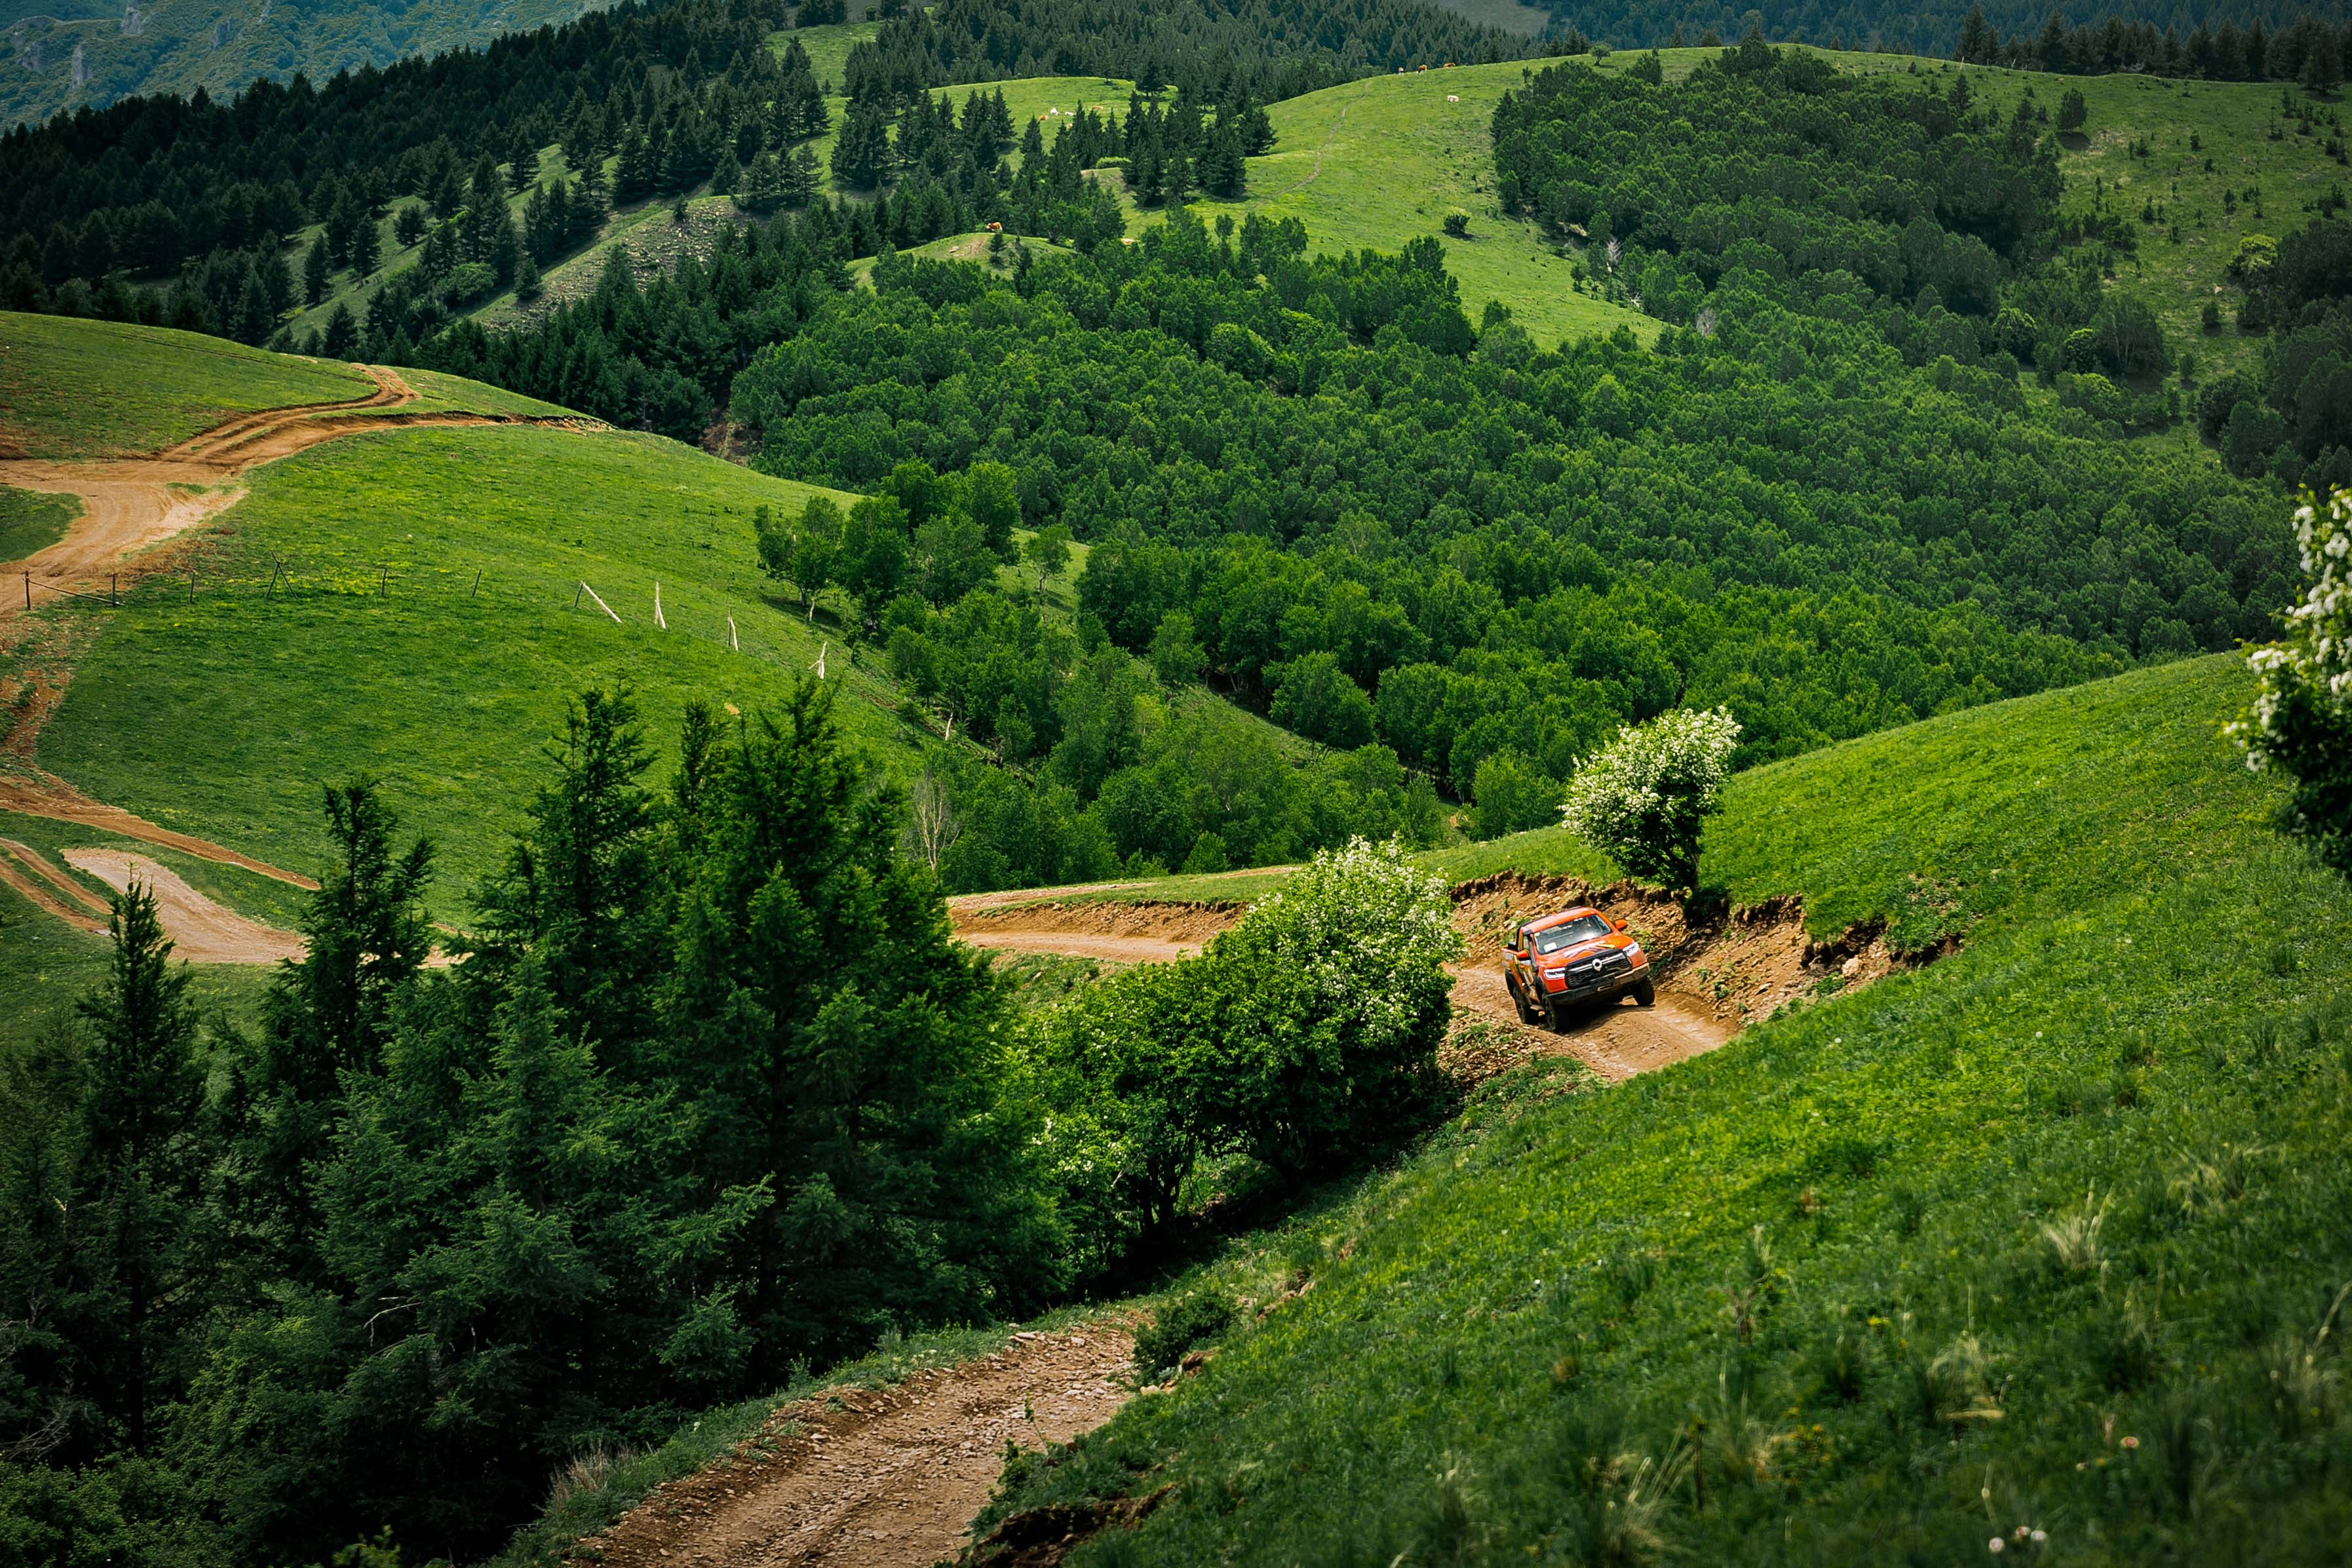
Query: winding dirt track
x=202, y=931
x=877, y=1478
x=1614, y=1041
x=130, y=506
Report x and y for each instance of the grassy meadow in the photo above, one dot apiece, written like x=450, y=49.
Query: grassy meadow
x=31, y=521
x=2039, y=1237
x=1382, y=161
x=102, y=389
x=221, y=714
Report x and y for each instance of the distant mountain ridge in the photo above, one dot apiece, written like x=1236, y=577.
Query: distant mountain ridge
x=66, y=54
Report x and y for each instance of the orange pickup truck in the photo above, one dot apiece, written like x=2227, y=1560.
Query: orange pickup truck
x=1561, y=962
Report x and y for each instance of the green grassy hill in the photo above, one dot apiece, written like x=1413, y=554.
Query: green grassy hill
x=2040, y=1237
x=69, y=54
x=1379, y=162
x=101, y=389
x=378, y=651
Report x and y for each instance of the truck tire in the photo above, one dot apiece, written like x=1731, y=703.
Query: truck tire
x=1527, y=1014
x=1645, y=993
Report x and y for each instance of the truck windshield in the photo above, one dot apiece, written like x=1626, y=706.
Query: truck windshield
x=1552, y=939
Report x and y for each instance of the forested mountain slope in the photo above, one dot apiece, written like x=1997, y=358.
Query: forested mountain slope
x=71, y=54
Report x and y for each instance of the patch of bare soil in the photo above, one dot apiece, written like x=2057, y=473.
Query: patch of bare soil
x=44, y=795
x=202, y=931
x=46, y=888
x=1147, y=932
x=132, y=504
x=874, y=1478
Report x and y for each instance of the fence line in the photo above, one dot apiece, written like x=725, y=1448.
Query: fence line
x=283, y=585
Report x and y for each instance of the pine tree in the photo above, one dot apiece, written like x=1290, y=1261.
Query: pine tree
x=342, y=334
x=328, y=1015
x=862, y=156
x=364, y=246
x=315, y=270
x=1175, y=177
x=523, y=161
x=141, y=1166
x=763, y=187
x=801, y=177
x=578, y=887
x=632, y=173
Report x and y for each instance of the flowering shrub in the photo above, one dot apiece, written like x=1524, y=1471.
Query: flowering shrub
x=1369, y=931
x=1645, y=795
x=2301, y=721
x=1302, y=1037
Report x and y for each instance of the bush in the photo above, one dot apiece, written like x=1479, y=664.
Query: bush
x=1303, y=1037
x=469, y=281
x=1458, y=225
x=2301, y=721
x=1645, y=796
x=1335, y=995
x=1163, y=1343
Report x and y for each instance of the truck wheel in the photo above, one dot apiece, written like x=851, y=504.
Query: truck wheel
x=1559, y=1016
x=1526, y=1013
x=1644, y=994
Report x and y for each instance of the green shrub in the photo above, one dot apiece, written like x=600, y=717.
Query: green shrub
x=2301, y=721
x=1177, y=1328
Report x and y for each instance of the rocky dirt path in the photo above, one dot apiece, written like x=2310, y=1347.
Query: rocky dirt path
x=876, y=1477
x=202, y=931
x=1713, y=979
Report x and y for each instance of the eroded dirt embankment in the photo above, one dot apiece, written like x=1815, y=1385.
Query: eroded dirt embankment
x=1713, y=977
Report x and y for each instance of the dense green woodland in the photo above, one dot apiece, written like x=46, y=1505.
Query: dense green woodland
x=2295, y=416
x=2088, y=41
x=714, y=1098
x=1828, y=498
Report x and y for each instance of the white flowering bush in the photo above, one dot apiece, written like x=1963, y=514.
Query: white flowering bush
x=2300, y=722
x=1369, y=932
x=1645, y=795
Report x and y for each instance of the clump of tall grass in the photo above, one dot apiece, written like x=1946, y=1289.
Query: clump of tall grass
x=586, y=1472
x=2074, y=1236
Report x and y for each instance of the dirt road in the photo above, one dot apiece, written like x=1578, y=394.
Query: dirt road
x=131, y=504
x=876, y=1479
x=1713, y=979
x=202, y=931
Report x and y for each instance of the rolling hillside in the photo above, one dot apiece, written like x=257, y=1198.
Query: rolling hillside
x=68, y=54
x=403, y=604
x=2029, y=1241
x=2017, y=1243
